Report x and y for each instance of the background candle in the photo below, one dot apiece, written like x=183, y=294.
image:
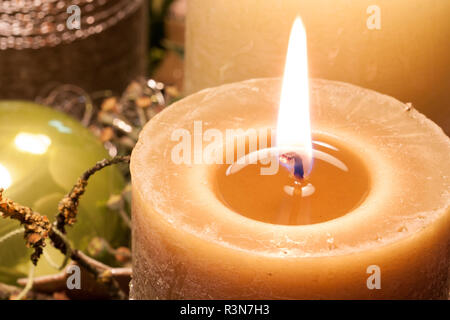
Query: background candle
x=232, y=40
x=188, y=244
x=42, y=154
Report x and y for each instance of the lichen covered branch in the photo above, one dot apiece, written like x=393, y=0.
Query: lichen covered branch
x=36, y=226
x=68, y=206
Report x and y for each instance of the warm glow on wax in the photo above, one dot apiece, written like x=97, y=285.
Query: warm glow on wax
x=294, y=126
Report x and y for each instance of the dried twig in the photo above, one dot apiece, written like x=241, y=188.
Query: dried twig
x=117, y=203
x=100, y=273
x=7, y=292
x=28, y=286
x=93, y=289
x=11, y=234
x=68, y=207
x=38, y=228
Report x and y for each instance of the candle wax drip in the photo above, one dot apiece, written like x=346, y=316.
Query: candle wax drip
x=338, y=183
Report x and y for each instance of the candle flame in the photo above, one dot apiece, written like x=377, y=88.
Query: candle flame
x=294, y=125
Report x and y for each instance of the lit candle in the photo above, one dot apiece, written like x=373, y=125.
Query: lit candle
x=357, y=208
x=397, y=47
x=297, y=195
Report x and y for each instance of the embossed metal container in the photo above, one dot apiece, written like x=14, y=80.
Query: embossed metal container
x=38, y=49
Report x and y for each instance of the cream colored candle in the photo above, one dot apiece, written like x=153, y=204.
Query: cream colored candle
x=396, y=47
x=189, y=244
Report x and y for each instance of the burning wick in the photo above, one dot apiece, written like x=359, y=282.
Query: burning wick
x=294, y=163
x=293, y=160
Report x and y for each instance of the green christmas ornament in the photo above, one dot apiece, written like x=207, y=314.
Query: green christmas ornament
x=42, y=154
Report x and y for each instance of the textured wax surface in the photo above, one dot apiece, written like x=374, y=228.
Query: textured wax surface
x=188, y=244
